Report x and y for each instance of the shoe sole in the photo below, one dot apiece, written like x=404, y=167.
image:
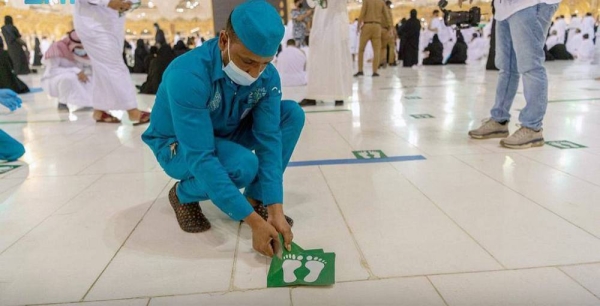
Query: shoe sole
x=531, y=144
x=490, y=136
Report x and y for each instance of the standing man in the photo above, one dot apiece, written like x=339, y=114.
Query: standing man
x=301, y=20
x=159, y=38
x=329, y=66
x=215, y=106
x=521, y=30
x=388, y=39
x=101, y=26
x=372, y=16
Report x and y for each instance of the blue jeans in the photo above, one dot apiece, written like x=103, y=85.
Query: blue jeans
x=520, y=43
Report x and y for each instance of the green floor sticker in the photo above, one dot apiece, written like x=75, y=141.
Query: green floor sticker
x=302, y=268
x=7, y=168
x=422, y=116
x=565, y=144
x=369, y=154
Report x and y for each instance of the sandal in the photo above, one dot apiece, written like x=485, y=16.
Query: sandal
x=189, y=215
x=144, y=118
x=108, y=118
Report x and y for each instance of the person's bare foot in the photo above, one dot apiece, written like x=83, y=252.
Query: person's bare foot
x=134, y=114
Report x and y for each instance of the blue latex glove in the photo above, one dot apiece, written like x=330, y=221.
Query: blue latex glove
x=10, y=99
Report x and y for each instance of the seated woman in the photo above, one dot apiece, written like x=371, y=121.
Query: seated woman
x=10, y=148
x=157, y=67
x=180, y=48
x=141, y=53
x=151, y=56
x=434, y=52
x=559, y=52
x=68, y=73
x=459, y=51
x=8, y=77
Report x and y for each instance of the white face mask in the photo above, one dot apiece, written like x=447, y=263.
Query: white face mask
x=236, y=74
x=80, y=52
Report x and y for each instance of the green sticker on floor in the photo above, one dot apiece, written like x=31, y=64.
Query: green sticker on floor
x=565, y=144
x=369, y=154
x=422, y=116
x=7, y=168
x=301, y=267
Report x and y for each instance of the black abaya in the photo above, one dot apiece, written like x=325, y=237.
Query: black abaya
x=140, y=56
x=459, y=52
x=37, y=53
x=436, y=52
x=8, y=78
x=410, y=33
x=559, y=52
x=15, y=45
x=157, y=68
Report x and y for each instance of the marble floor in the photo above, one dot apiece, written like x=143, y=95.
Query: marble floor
x=86, y=219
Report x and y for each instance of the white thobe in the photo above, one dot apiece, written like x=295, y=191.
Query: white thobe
x=574, y=43
x=585, y=52
x=353, y=38
x=476, y=50
x=560, y=26
x=60, y=81
x=44, y=46
x=587, y=26
x=330, y=66
x=289, y=34
x=574, y=24
x=552, y=41
x=291, y=65
x=102, y=32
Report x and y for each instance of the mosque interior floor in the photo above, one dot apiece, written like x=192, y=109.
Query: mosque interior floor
x=85, y=218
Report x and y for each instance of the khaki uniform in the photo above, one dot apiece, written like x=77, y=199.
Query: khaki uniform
x=388, y=46
x=373, y=15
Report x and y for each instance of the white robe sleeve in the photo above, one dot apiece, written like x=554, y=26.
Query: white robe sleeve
x=98, y=2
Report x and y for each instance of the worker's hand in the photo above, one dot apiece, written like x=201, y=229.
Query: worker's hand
x=460, y=2
x=10, y=99
x=265, y=238
x=278, y=221
x=119, y=5
x=82, y=77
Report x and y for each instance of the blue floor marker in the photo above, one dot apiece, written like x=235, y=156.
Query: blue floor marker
x=329, y=162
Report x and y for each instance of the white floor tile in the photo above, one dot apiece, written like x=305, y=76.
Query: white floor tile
x=586, y=275
x=61, y=258
x=131, y=302
x=398, y=229
x=275, y=297
x=544, y=287
x=405, y=291
x=161, y=259
x=516, y=231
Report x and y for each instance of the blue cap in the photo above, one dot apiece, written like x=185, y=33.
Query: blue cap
x=258, y=26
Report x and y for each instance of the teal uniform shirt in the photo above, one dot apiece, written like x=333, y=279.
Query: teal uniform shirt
x=196, y=103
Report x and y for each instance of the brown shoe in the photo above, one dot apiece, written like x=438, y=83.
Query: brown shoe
x=262, y=211
x=190, y=216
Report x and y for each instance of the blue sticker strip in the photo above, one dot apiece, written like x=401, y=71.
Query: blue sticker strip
x=329, y=162
x=34, y=90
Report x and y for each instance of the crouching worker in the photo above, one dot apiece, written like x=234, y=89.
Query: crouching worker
x=219, y=125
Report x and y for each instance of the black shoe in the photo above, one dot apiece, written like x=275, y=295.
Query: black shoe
x=139, y=87
x=62, y=107
x=375, y=74
x=360, y=73
x=339, y=102
x=308, y=102
x=189, y=216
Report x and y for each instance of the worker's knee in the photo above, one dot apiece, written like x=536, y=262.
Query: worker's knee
x=292, y=114
x=245, y=169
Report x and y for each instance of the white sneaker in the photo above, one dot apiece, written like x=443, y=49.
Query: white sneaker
x=524, y=138
x=490, y=129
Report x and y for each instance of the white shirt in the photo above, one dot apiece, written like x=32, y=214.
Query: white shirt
x=551, y=42
x=585, y=52
x=506, y=8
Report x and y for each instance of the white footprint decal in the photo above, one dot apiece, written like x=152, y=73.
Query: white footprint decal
x=315, y=266
x=291, y=263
